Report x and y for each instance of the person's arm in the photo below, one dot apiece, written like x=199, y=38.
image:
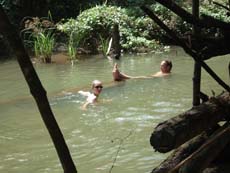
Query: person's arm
x=91, y=98
x=84, y=106
x=84, y=93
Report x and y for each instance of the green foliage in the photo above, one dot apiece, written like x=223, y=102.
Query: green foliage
x=139, y=35
x=104, y=45
x=97, y=18
x=217, y=12
x=130, y=3
x=43, y=45
x=98, y=22
x=170, y=19
x=71, y=48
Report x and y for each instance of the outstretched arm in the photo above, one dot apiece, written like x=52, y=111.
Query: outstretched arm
x=84, y=93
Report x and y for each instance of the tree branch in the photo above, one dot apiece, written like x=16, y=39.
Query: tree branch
x=191, y=19
x=38, y=92
x=221, y=5
x=195, y=56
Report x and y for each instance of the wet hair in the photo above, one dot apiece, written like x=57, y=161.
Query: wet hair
x=96, y=82
x=169, y=63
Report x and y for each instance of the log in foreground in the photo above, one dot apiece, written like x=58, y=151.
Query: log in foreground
x=202, y=158
x=181, y=153
x=172, y=133
x=223, y=168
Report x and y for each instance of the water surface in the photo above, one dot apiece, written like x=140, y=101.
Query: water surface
x=120, y=124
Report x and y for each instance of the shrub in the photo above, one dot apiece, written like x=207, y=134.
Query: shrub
x=96, y=23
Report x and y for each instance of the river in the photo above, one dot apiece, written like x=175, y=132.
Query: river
x=116, y=131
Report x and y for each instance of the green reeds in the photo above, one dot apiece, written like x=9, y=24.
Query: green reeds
x=43, y=46
x=104, y=45
x=72, y=49
x=73, y=44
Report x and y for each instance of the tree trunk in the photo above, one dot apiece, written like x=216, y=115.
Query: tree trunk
x=38, y=92
x=172, y=133
x=116, y=42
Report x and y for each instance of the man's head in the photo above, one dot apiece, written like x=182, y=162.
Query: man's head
x=166, y=66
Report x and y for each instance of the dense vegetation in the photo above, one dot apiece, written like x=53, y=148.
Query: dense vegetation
x=97, y=22
x=88, y=24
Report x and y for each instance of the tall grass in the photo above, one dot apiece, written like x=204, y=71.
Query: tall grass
x=104, y=45
x=74, y=42
x=71, y=49
x=43, y=46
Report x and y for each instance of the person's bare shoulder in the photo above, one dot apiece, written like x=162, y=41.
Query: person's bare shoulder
x=160, y=74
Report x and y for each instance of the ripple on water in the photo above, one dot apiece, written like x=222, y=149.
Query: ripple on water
x=168, y=104
x=138, y=118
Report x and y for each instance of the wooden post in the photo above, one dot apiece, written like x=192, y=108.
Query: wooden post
x=197, y=67
x=38, y=92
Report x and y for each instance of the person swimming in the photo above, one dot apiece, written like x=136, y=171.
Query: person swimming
x=92, y=97
x=165, y=69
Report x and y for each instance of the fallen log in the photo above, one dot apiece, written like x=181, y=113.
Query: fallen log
x=184, y=151
x=224, y=156
x=222, y=168
x=202, y=158
x=180, y=154
x=172, y=133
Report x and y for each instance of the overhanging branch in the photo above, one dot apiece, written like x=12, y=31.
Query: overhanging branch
x=203, y=23
x=198, y=58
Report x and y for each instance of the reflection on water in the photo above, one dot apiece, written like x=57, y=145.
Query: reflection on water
x=94, y=136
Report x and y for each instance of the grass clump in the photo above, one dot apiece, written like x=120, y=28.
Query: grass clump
x=43, y=46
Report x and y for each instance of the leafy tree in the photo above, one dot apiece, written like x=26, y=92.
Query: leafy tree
x=97, y=22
